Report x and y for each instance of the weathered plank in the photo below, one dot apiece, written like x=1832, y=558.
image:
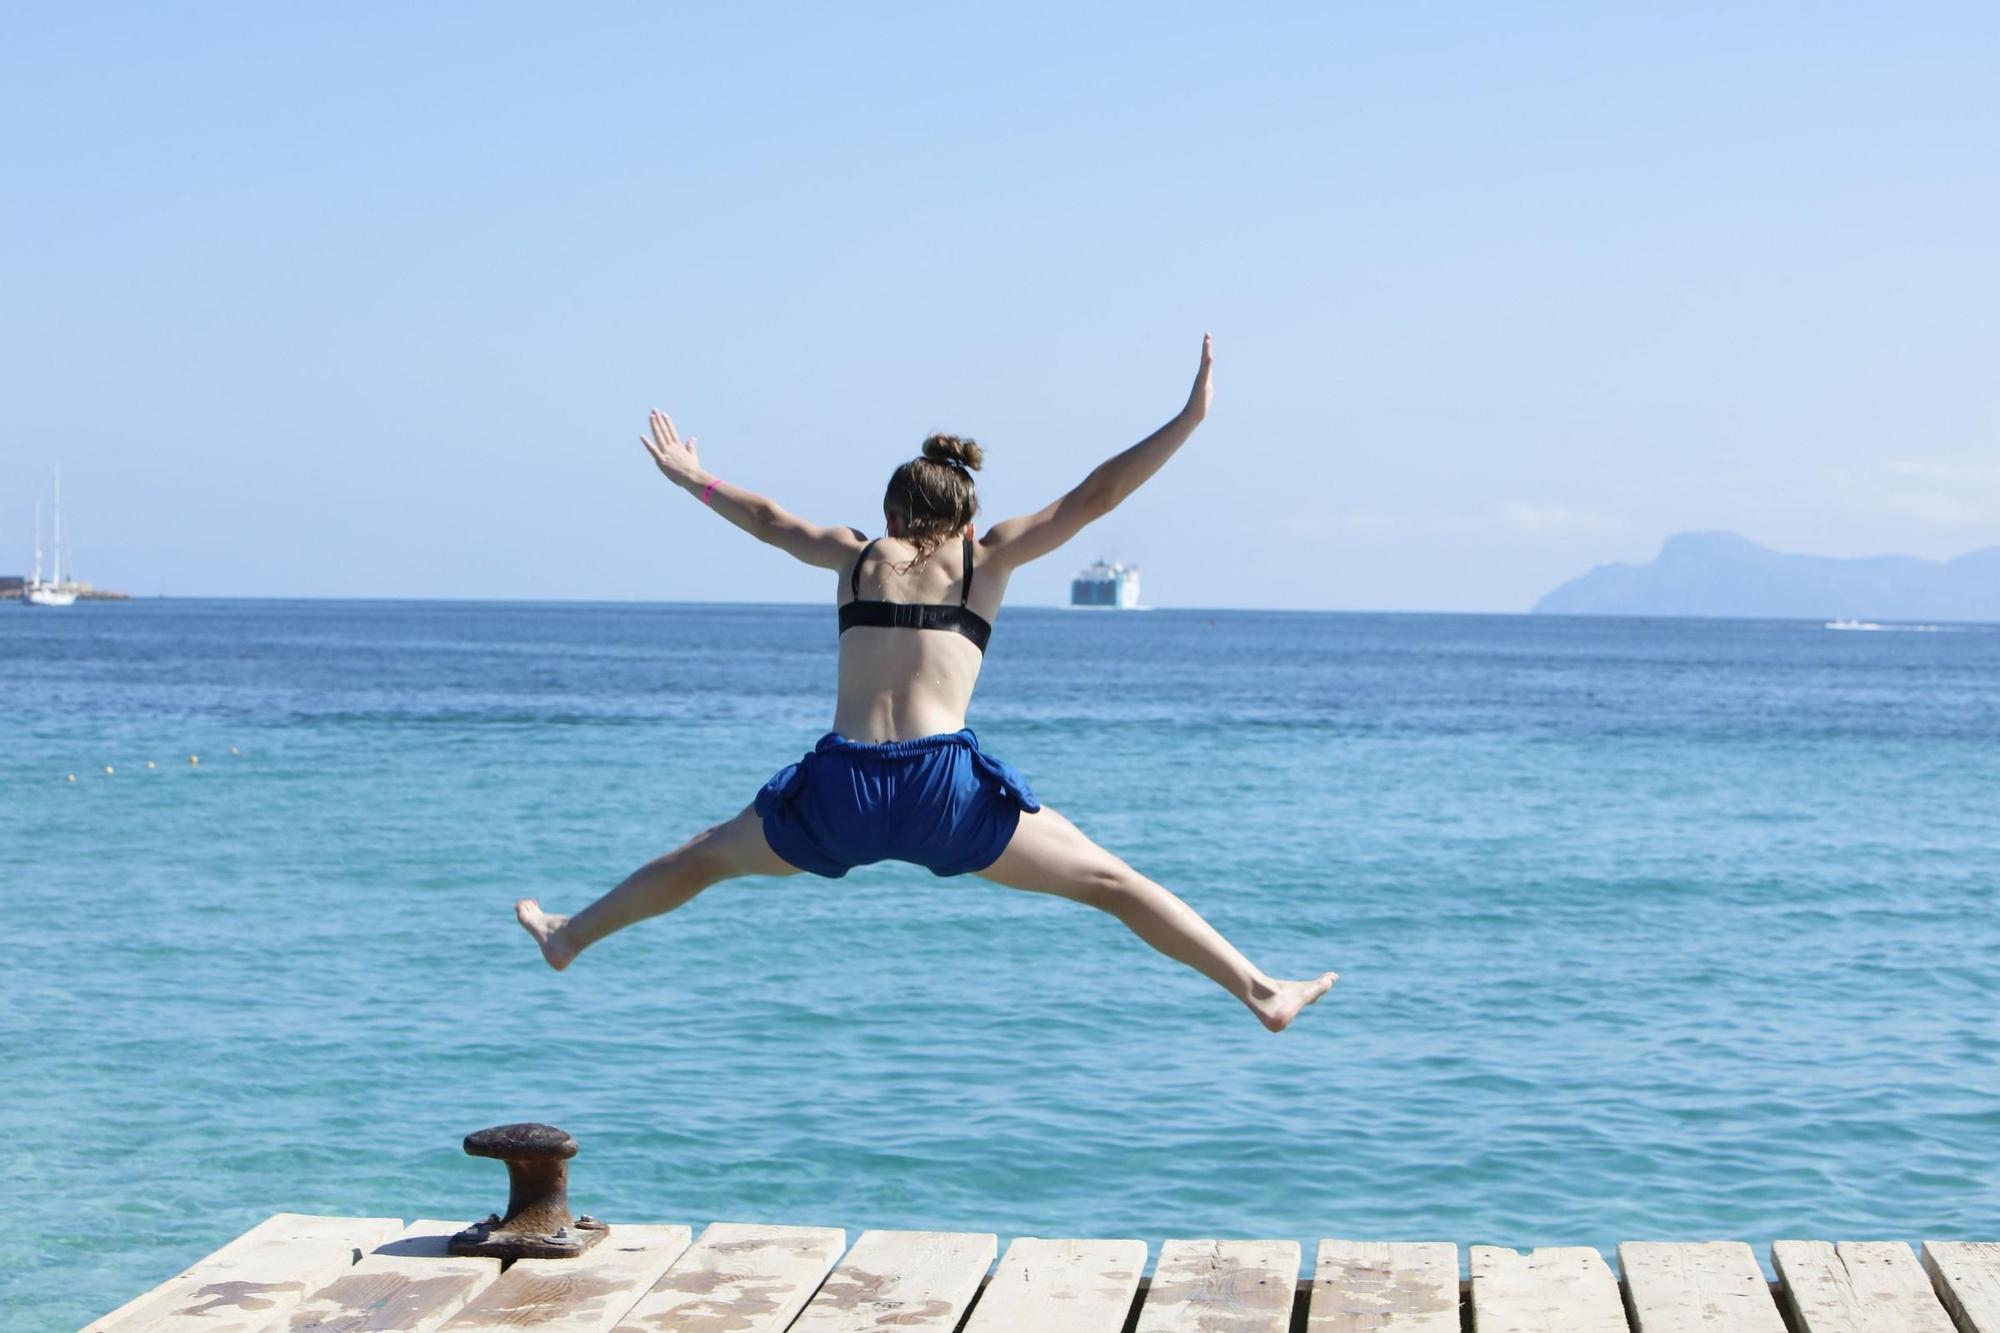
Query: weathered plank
x=1676, y=1287
x=255, y=1278
x=1359, y=1285
x=588, y=1294
x=1857, y=1287
x=1556, y=1289
x=901, y=1279
x=1244, y=1286
x=738, y=1278
x=410, y=1284
x=1967, y=1276
x=1061, y=1286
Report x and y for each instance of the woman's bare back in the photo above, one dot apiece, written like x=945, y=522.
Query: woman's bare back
x=898, y=683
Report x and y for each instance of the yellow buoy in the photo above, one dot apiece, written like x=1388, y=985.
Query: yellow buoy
x=194, y=759
x=108, y=770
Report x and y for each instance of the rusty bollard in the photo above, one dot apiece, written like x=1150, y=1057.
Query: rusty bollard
x=537, y=1224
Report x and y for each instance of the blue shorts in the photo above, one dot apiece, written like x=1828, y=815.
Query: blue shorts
x=938, y=801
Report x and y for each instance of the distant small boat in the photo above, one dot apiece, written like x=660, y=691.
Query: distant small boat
x=1871, y=625
x=1106, y=585
x=54, y=591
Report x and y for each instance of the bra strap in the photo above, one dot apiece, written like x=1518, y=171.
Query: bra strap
x=966, y=591
x=854, y=575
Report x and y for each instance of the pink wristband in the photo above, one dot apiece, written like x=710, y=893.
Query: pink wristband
x=709, y=490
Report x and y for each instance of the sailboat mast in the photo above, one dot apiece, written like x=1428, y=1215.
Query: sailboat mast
x=38, y=543
x=55, y=554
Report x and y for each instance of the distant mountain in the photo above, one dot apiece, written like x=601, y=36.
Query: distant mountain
x=1722, y=574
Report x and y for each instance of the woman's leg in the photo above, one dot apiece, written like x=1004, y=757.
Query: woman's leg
x=661, y=885
x=1049, y=854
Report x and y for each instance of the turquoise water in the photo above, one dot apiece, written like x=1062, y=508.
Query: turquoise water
x=1648, y=929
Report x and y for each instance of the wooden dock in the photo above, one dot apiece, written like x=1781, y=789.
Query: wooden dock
x=296, y=1273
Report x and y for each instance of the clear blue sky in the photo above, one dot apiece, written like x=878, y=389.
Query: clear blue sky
x=371, y=299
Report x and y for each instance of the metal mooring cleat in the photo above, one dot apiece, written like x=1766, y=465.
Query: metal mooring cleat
x=537, y=1224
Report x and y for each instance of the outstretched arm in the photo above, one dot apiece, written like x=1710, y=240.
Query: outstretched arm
x=761, y=517
x=1016, y=541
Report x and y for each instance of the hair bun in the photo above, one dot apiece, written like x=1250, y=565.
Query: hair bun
x=951, y=449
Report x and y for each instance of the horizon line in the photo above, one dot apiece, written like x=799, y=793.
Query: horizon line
x=556, y=600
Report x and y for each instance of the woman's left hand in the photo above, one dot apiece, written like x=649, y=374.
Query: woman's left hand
x=1203, y=392
x=675, y=457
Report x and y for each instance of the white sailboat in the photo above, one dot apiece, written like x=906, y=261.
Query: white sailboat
x=53, y=592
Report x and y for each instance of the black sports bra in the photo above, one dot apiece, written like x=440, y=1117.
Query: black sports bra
x=915, y=615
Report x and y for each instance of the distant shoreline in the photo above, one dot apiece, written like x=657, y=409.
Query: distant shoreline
x=13, y=594
x=1724, y=575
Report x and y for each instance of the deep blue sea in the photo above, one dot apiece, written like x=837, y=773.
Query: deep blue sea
x=1647, y=929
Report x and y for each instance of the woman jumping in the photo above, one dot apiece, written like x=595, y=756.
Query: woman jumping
x=900, y=777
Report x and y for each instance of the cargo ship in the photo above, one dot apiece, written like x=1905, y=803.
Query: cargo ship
x=1112, y=586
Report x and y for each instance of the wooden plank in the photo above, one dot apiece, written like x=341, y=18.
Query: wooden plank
x=1556, y=1289
x=255, y=1278
x=588, y=1294
x=1061, y=1286
x=1676, y=1287
x=1857, y=1287
x=1407, y=1288
x=1244, y=1286
x=1966, y=1274
x=410, y=1284
x=739, y=1278
x=901, y=1279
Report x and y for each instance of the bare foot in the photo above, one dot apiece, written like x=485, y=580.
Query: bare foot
x=547, y=931
x=1277, y=1010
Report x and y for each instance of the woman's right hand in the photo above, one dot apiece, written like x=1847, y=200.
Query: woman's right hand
x=1199, y=396
x=675, y=457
